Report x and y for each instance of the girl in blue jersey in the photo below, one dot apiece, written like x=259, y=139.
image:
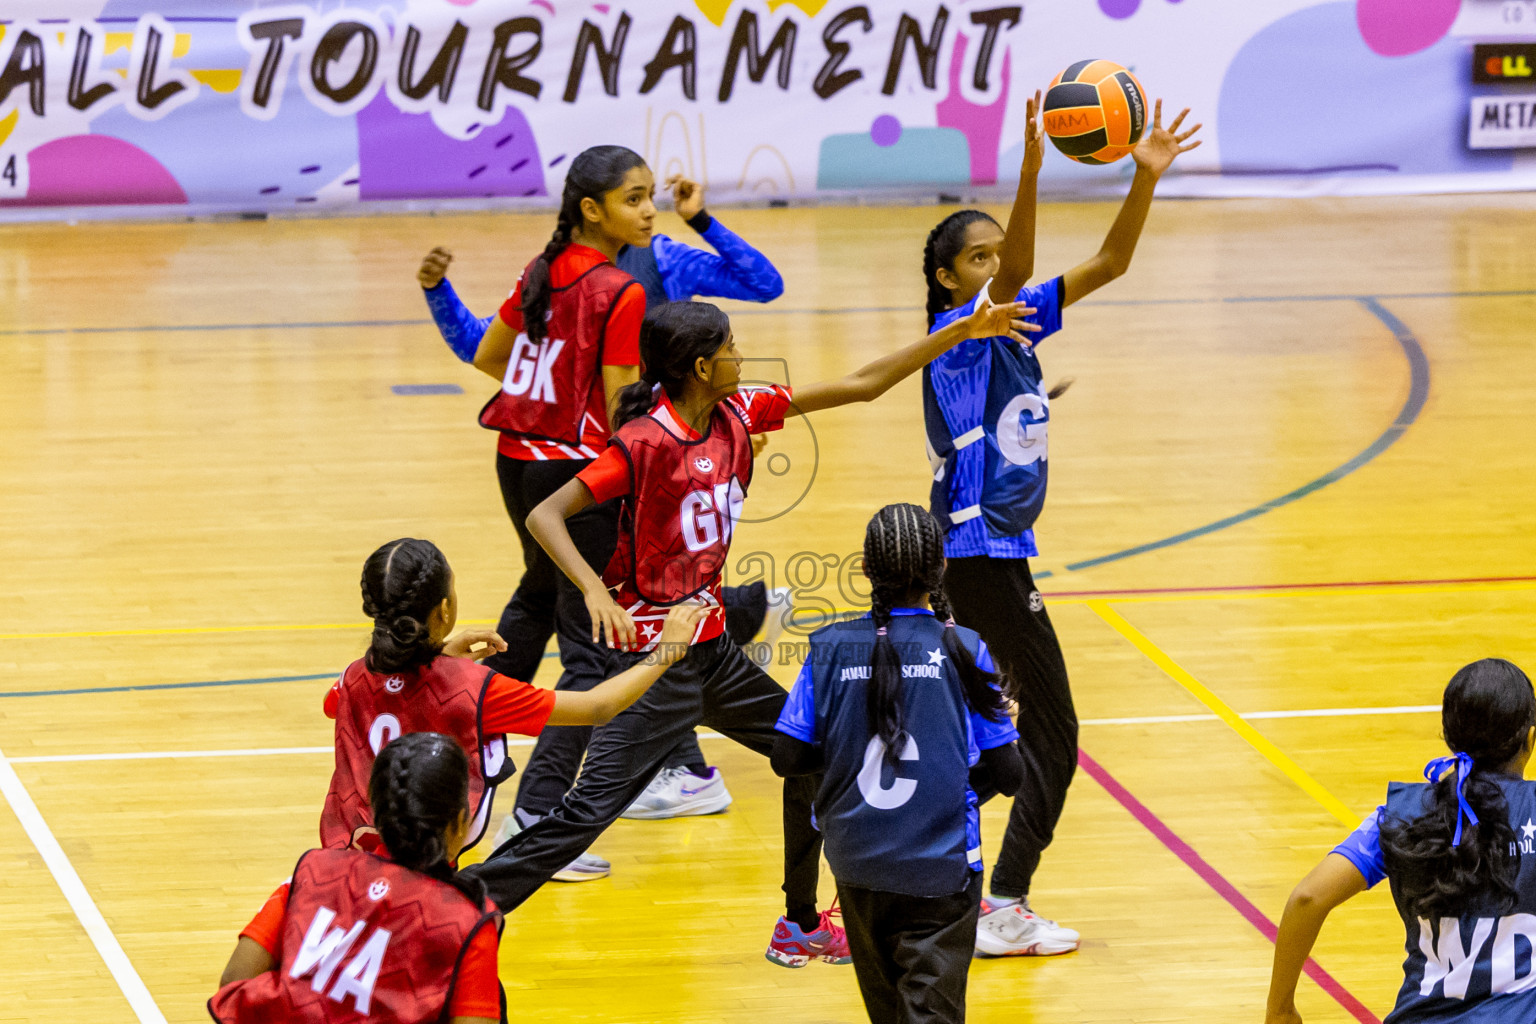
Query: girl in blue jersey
x=1460, y=854
x=987, y=418
x=901, y=711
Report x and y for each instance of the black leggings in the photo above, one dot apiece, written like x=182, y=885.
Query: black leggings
x=546, y=602
x=912, y=954
x=997, y=598
x=715, y=684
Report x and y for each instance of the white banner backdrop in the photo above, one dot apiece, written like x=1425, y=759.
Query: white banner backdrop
x=220, y=105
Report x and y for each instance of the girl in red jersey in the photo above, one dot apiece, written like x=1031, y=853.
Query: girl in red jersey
x=412, y=679
x=394, y=935
x=680, y=462
x=562, y=347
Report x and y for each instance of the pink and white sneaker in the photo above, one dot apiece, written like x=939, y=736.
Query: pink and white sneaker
x=1012, y=929
x=792, y=947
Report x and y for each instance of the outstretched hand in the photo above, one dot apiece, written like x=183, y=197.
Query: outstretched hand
x=434, y=267
x=463, y=645
x=1034, y=138
x=1158, y=147
x=1006, y=321
x=687, y=196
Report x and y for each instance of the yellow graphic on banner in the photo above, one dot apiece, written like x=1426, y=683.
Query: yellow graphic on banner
x=8, y=121
x=716, y=10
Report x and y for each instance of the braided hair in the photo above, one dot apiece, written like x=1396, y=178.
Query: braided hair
x=593, y=174
x=944, y=244
x=402, y=582
x=904, y=550
x=673, y=336
x=418, y=790
x=1488, y=711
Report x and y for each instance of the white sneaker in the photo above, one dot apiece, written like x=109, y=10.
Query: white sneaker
x=1015, y=930
x=781, y=608
x=586, y=868
x=677, y=793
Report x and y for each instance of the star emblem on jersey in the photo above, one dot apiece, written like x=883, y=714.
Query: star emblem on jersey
x=378, y=890
x=1528, y=829
x=936, y=656
x=703, y=464
x=648, y=630
x=394, y=684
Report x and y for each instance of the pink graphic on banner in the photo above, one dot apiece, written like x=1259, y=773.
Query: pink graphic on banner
x=406, y=156
x=96, y=170
x=981, y=125
x=1396, y=28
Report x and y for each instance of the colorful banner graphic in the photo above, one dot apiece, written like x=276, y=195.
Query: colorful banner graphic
x=215, y=105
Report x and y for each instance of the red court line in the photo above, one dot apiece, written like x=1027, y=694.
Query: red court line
x=1250, y=587
x=1215, y=880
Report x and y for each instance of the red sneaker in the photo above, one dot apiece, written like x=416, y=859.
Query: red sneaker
x=793, y=947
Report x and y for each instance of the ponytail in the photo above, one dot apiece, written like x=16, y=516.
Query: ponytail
x=402, y=582
x=939, y=252
x=904, y=550
x=418, y=789
x=887, y=713
x=1458, y=854
x=593, y=174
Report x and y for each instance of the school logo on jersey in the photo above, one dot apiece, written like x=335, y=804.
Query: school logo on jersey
x=378, y=890
x=1526, y=842
x=1036, y=602
x=703, y=464
x=394, y=684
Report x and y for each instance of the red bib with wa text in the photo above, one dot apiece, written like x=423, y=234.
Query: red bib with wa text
x=363, y=939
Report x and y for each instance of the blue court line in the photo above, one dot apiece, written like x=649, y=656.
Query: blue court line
x=173, y=686
x=810, y=311
x=189, y=686
x=1418, y=393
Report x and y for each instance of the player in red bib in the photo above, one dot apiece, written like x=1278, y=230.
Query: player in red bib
x=562, y=347
x=681, y=461
x=394, y=935
x=413, y=680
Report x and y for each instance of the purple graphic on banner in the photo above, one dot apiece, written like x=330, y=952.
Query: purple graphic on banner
x=89, y=170
x=982, y=126
x=1394, y=28
x=406, y=156
x=1344, y=108
x=886, y=131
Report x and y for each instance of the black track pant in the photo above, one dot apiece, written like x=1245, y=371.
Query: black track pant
x=715, y=684
x=546, y=602
x=912, y=954
x=997, y=598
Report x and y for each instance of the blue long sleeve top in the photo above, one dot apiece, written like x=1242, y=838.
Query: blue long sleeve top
x=734, y=271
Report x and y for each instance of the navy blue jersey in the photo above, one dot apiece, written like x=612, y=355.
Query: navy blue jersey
x=915, y=828
x=1479, y=968
x=987, y=419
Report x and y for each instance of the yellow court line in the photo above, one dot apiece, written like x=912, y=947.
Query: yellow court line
x=1198, y=690
x=1210, y=595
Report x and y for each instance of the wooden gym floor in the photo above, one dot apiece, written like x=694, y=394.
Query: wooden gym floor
x=1292, y=493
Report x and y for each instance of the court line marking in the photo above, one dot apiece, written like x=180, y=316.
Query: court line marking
x=79, y=899
x=1273, y=754
x=1217, y=881
x=1418, y=394
x=780, y=311
x=1138, y=595
x=707, y=734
